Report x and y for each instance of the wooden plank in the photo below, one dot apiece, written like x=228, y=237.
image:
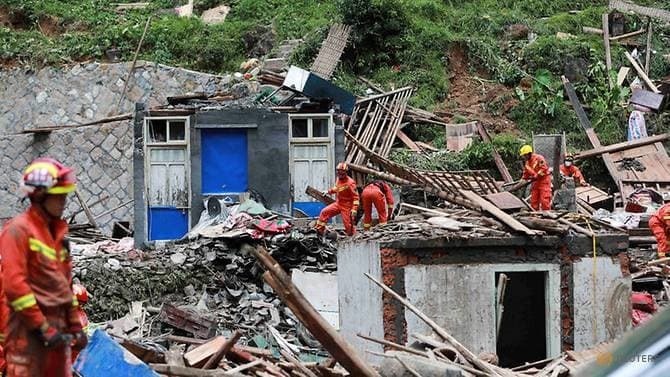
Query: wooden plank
x=647, y=58
x=87, y=211
x=640, y=72
x=215, y=359
x=621, y=75
x=407, y=141
x=199, y=355
x=592, y=30
x=426, y=146
x=505, y=200
x=330, y=339
x=644, y=11
x=500, y=164
x=318, y=195
x=498, y=213
x=590, y=133
x=117, y=118
x=175, y=370
x=606, y=39
x=627, y=35
x=622, y=146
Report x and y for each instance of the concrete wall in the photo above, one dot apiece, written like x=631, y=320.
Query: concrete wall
x=461, y=298
x=103, y=154
x=360, y=301
x=601, y=301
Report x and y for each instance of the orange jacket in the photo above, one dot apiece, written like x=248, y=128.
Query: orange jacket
x=37, y=268
x=346, y=193
x=659, y=224
x=573, y=172
x=386, y=190
x=537, y=170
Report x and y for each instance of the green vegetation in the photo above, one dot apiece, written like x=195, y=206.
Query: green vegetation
x=394, y=43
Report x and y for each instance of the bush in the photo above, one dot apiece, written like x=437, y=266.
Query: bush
x=377, y=30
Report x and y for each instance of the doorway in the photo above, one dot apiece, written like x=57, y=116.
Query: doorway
x=522, y=334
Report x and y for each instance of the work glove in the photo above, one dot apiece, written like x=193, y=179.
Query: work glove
x=51, y=337
x=80, y=340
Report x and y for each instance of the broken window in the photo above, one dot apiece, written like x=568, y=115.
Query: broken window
x=157, y=130
x=166, y=131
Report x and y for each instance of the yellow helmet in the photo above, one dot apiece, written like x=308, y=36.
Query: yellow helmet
x=525, y=150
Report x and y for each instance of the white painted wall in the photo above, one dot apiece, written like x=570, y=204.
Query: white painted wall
x=461, y=298
x=601, y=302
x=360, y=301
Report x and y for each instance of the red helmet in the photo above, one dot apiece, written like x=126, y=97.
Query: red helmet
x=342, y=166
x=50, y=174
x=80, y=293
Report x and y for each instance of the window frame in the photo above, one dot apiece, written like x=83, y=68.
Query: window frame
x=168, y=142
x=310, y=128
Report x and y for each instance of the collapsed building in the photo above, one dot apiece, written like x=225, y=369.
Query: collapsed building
x=523, y=286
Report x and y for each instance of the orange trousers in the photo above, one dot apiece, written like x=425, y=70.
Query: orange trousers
x=26, y=355
x=331, y=211
x=372, y=195
x=540, y=198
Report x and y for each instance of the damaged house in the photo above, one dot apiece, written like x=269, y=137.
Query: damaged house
x=202, y=150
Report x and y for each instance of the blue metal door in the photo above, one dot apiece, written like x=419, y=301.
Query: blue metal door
x=224, y=160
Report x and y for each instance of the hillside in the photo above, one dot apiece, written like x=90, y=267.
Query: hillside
x=499, y=62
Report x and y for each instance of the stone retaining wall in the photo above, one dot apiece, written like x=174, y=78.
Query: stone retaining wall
x=101, y=154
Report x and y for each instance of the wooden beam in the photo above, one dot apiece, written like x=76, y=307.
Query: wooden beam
x=318, y=195
x=640, y=72
x=606, y=39
x=87, y=211
x=117, y=118
x=592, y=30
x=174, y=370
x=500, y=164
x=621, y=75
x=214, y=361
x=590, y=133
x=647, y=58
x=498, y=213
x=627, y=35
x=644, y=11
x=407, y=141
x=329, y=338
x=380, y=174
x=622, y=146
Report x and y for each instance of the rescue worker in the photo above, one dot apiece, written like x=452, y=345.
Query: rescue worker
x=81, y=293
x=346, y=202
x=37, y=277
x=569, y=170
x=659, y=224
x=538, y=173
x=377, y=193
x=4, y=317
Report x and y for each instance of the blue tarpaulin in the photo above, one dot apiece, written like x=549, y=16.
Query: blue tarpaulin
x=103, y=357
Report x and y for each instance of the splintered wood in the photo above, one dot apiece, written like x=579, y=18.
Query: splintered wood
x=375, y=122
x=331, y=51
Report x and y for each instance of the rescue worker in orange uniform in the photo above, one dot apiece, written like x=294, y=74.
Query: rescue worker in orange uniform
x=81, y=294
x=659, y=224
x=43, y=321
x=538, y=173
x=568, y=169
x=346, y=202
x=4, y=317
x=377, y=193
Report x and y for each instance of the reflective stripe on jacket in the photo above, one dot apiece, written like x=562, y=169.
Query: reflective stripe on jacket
x=37, y=268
